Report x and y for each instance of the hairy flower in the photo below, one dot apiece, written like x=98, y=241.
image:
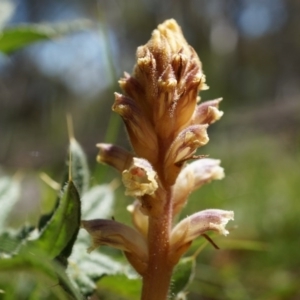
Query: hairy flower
x=139, y=128
x=195, y=225
x=120, y=236
x=183, y=148
x=207, y=112
x=140, y=178
x=192, y=177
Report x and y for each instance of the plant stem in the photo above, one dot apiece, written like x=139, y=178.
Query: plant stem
x=156, y=280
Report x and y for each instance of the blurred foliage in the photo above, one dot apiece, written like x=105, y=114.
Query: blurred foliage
x=51, y=261
x=250, y=53
x=13, y=39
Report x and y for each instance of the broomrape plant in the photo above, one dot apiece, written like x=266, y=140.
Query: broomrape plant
x=166, y=126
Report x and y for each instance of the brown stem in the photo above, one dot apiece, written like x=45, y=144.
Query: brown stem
x=156, y=280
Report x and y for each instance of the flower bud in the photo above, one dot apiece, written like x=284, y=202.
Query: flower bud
x=164, y=85
x=140, y=130
x=114, y=156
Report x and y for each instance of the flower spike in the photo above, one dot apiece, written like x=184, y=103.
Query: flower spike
x=166, y=125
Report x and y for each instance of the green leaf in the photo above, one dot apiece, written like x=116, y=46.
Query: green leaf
x=9, y=195
x=85, y=269
x=11, y=239
x=120, y=286
x=80, y=176
x=63, y=225
x=80, y=170
x=183, y=274
x=21, y=274
x=9, y=242
x=80, y=182
x=97, y=203
x=14, y=38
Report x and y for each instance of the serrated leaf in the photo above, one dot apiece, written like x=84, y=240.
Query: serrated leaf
x=9, y=195
x=97, y=203
x=80, y=177
x=9, y=242
x=182, y=275
x=19, y=274
x=14, y=38
x=63, y=225
x=85, y=269
x=11, y=239
x=80, y=169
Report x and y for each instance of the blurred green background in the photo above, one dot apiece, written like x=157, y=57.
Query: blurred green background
x=250, y=50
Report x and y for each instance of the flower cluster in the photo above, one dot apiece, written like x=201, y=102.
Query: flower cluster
x=166, y=125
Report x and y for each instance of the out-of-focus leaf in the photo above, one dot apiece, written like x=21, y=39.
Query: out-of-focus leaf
x=122, y=286
x=9, y=194
x=14, y=38
x=20, y=274
x=63, y=225
x=97, y=203
x=11, y=239
x=80, y=170
x=243, y=245
x=183, y=274
x=85, y=269
x=9, y=242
